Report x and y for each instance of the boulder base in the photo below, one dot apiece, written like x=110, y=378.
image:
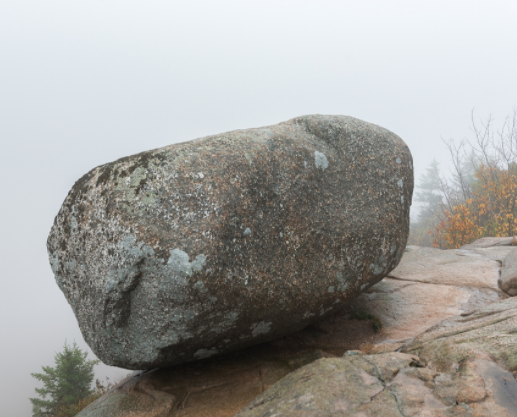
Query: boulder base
x=470, y=363
x=217, y=387
x=455, y=352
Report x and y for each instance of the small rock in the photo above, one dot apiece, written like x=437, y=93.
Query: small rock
x=385, y=348
x=352, y=353
x=508, y=279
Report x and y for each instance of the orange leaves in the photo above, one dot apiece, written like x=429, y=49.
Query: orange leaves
x=492, y=210
x=457, y=228
x=489, y=213
x=480, y=197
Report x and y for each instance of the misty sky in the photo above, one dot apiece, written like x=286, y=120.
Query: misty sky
x=85, y=82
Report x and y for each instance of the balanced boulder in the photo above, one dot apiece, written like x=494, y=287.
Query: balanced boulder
x=204, y=247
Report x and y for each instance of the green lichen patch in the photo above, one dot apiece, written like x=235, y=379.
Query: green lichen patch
x=363, y=315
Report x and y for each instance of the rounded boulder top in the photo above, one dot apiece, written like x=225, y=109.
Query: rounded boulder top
x=204, y=247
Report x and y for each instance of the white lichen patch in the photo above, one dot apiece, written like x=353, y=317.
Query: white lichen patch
x=130, y=246
x=73, y=221
x=320, y=160
x=179, y=263
x=247, y=232
x=260, y=328
x=377, y=269
x=400, y=183
x=54, y=262
x=342, y=284
x=127, y=185
x=198, y=264
x=200, y=287
x=325, y=310
x=122, y=277
x=224, y=323
x=308, y=314
x=179, y=331
x=205, y=353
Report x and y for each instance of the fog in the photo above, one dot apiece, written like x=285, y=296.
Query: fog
x=85, y=82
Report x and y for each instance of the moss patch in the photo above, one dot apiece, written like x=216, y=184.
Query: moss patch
x=364, y=315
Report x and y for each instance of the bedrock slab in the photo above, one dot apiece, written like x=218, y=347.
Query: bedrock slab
x=208, y=246
x=389, y=385
x=465, y=366
x=350, y=386
x=485, y=342
x=430, y=285
x=490, y=331
x=502, y=249
x=490, y=242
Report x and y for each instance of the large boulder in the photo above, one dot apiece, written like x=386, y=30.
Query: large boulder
x=208, y=246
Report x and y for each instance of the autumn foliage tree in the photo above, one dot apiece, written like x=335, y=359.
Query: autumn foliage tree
x=456, y=228
x=481, y=198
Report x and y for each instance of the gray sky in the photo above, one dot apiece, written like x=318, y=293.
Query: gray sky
x=85, y=82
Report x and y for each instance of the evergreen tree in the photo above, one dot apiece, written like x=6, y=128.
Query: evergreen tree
x=67, y=383
x=430, y=197
x=429, y=194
